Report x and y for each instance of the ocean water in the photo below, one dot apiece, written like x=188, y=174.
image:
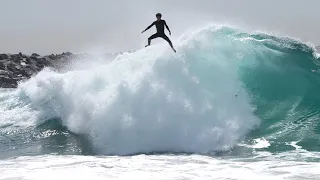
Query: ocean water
x=228, y=105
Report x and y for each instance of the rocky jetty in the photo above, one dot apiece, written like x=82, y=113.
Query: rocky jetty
x=16, y=67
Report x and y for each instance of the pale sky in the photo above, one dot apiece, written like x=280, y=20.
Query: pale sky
x=58, y=26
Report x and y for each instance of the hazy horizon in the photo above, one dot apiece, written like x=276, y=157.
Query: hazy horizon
x=58, y=26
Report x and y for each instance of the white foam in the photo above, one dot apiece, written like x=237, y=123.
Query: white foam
x=154, y=167
x=259, y=143
x=13, y=112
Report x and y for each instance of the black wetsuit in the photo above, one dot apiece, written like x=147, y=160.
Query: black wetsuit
x=160, y=31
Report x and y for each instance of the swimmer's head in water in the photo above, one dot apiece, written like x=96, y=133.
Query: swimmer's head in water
x=158, y=15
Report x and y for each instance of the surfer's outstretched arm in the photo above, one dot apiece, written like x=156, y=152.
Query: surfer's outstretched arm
x=148, y=27
x=165, y=23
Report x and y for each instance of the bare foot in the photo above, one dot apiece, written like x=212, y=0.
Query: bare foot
x=147, y=45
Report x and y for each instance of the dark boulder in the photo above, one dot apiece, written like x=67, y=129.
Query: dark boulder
x=2, y=66
x=28, y=61
x=11, y=67
x=3, y=56
x=7, y=82
x=40, y=66
x=26, y=72
x=33, y=58
x=16, y=58
x=7, y=74
x=45, y=62
x=52, y=56
x=22, y=55
x=67, y=54
x=3, y=73
x=35, y=55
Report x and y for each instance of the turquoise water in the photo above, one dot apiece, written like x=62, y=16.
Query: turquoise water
x=223, y=90
x=284, y=85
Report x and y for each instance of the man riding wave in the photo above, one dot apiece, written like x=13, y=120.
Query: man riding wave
x=160, y=24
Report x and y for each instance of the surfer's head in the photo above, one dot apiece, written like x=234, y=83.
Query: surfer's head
x=158, y=15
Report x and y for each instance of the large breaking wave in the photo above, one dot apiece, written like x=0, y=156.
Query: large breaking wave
x=207, y=97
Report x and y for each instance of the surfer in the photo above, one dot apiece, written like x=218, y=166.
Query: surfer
x=159, y=23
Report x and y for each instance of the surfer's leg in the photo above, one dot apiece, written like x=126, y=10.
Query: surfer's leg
x=151, y=37
x=168, y=40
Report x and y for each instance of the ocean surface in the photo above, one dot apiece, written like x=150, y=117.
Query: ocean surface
x=228, y=105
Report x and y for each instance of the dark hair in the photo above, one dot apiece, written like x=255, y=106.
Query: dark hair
x=158, y=15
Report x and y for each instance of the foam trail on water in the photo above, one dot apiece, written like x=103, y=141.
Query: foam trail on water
x=152, y=100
